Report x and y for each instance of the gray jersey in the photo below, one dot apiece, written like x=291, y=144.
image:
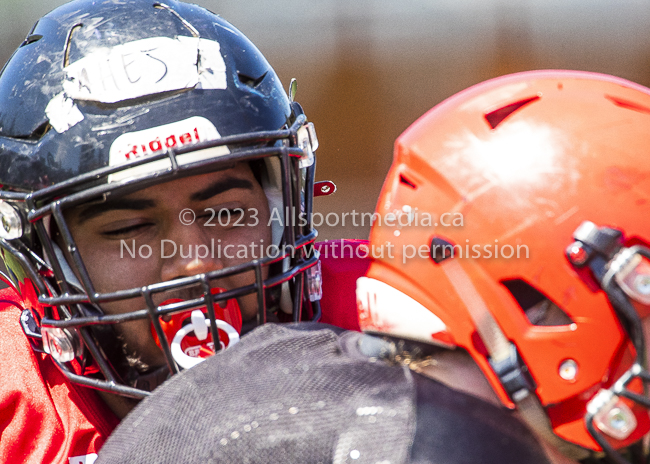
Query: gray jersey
x=307, y=393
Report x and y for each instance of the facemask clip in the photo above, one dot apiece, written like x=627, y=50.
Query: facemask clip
x=633, y=275
x=62, y=344
x=11, y=226
x=315, y=282
x=611, y=415
x=308, y=141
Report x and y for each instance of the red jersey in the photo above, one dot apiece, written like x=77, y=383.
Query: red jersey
x=46, y=419
x=342, y=263
x=43, y=417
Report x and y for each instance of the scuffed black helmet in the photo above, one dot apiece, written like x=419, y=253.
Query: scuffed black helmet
x=104, y=98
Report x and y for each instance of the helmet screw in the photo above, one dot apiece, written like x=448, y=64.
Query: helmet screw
x=617, y=419
x=325, y=188
x=611, y=415
x=642, y=284
x=568, y=369
x=10, y=222
x=576, y=254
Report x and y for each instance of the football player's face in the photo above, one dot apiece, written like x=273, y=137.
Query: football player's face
x=146, y=237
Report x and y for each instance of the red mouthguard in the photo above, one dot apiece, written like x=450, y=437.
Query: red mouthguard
x=188, y=332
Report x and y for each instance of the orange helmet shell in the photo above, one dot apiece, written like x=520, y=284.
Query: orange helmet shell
x=506, y=171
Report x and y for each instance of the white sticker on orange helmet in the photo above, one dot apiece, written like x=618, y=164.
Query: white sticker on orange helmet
x=133, y=146
x=385, y=309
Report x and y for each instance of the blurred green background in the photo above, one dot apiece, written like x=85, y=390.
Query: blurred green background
x=366, y=69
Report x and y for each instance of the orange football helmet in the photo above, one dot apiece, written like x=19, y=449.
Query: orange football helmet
x=515, y=223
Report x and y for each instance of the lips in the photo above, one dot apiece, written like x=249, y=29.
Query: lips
x=188, y=332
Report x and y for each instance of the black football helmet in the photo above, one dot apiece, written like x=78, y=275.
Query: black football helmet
x=104, y=98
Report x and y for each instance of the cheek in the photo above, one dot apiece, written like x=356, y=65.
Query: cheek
x=263, y=229
x=113, y=268
x=263, y=232
x=241, y=239
x=259, y=235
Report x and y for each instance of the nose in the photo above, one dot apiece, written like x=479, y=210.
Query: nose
x=188, y=250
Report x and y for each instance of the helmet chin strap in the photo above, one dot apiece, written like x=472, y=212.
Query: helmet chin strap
x=506, y=362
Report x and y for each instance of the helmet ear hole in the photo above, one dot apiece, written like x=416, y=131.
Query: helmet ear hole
x=538, y=309
x=31, y=38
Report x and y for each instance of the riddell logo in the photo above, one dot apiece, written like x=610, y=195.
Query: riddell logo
x=160, y=144
x=133, y=146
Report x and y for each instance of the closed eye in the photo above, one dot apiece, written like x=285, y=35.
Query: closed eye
x=221, y=217
x=123, y=231
x=233, y=214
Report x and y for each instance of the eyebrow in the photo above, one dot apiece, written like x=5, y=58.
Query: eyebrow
x=112, y=205
x=220, y=187
x=135, y=204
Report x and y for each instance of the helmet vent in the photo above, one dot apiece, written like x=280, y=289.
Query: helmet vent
x=539, y=310
x=31, y=39
x=186, y=24
x=630, y=105
x=496, y=117
x=405, y=181
x=40, y=131
x=68, y=43
x=37, y=133
x=249, y=81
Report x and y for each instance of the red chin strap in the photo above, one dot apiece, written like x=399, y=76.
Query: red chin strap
x=188, y=332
